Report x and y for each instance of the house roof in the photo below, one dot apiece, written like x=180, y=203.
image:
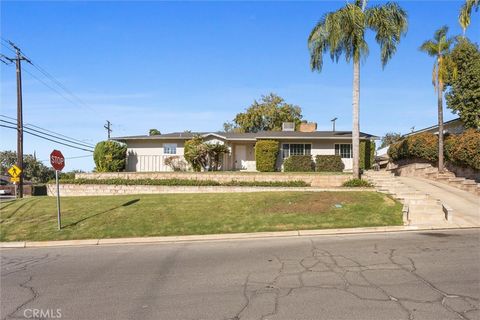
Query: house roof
x=434, y=127
x=250, y=136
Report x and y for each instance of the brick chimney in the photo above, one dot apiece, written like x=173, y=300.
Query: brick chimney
x=308, y=127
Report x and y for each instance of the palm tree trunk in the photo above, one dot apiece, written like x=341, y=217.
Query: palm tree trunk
x=440, y=126
x=356, y=121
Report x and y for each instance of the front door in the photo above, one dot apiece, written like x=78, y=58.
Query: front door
x=240, y=156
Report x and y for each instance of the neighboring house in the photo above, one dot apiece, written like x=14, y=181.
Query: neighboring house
x=454, y=126
x=148, y=153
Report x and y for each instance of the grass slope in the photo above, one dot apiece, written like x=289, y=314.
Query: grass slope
x=182, y=214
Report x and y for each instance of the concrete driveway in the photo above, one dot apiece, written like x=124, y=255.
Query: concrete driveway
x=413, y=275
x=466, y=205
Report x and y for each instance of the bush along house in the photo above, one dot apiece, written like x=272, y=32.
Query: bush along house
x=248, y=151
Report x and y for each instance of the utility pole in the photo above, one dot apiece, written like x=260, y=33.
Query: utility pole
x=108, y=127
x=18, y=66
x=333, y=123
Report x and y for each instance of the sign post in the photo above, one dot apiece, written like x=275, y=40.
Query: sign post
x=57, y=160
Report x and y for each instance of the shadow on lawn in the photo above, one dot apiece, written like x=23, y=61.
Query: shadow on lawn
x=126, y=204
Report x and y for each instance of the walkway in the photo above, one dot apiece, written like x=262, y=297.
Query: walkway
x=465, y=205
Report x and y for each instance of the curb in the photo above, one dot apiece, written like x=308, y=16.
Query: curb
x=222, y=237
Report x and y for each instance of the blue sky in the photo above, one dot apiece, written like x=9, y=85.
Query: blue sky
x=193, y=65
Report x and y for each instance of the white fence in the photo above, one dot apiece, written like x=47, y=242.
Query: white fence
x=147, y=163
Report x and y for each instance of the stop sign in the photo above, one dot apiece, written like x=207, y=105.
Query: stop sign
x=57, y=160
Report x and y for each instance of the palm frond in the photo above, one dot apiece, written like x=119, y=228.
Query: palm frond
x=429, y=47
x=440, y=33
x=389, y=21
x=464, y=17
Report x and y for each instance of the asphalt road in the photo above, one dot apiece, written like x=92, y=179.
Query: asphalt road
x=422, y=275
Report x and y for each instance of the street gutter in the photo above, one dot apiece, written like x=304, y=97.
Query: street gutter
x=222, y=237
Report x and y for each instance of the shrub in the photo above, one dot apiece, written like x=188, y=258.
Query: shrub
x=194, y=153
x=329, y=163
x=464, y=149
x=109, y=156
x=184, y=182
x=298, y=164
x=354, y=183
x=39, y=190
x=176, y=163
x=367, y=154
x=419, y=146
x=266, y=152
x=203, y=155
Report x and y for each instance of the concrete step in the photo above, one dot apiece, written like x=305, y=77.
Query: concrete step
x=412, y=196
x=469, y=182
x=422, y=165
x=424, y=201
x=425, y=208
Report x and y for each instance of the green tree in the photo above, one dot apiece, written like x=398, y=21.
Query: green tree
x=439, y=48
x=343, y=32
x=33, y=169
x=389, y=138
x=265, y=115
x=109, y=156
x=154, y=132
x=464, y=17
x=463, y=96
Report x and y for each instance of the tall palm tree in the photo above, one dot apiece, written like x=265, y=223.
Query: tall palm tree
x=439, y=47
x=466, y=12
x=343, y=32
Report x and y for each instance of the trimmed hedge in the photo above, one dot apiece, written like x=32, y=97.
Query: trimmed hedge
x=367, y=154
x=39, y=190
x=419, y=146
x=464, y=149
x=329, y=163
x=266, y=152
x=298, y=164
x=185, y=182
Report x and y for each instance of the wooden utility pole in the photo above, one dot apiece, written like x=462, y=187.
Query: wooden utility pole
x=108, y=128
x=18, y=64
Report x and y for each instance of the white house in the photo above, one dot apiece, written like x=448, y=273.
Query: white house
x=148, y=153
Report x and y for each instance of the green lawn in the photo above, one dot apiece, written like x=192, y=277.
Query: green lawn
x=182, y=214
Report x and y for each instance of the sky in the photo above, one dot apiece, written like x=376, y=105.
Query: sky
x=194, y=65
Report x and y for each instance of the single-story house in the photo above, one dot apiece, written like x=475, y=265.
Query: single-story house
x=148, y=153
x=454, y=126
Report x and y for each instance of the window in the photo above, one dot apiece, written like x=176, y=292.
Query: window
x=296, y=149
x=169, y=148
x=343, y=150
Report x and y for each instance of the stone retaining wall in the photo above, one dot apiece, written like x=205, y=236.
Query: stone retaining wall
x=106, y=190
x=315, y=180
x=410, y=167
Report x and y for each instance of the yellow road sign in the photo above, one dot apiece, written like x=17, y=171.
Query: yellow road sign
x=17, y=179
x=14, y=171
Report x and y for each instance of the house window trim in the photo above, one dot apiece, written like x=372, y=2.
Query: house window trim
x=339, y=149
x=170, y=146
x=290, y=150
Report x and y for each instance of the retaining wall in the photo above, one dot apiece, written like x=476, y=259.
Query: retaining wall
x=106, y=190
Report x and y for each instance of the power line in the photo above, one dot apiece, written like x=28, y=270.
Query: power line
x=74, y=99
x=39, y=136
x=50, y=131
x=69, y=158
x=50, y=135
